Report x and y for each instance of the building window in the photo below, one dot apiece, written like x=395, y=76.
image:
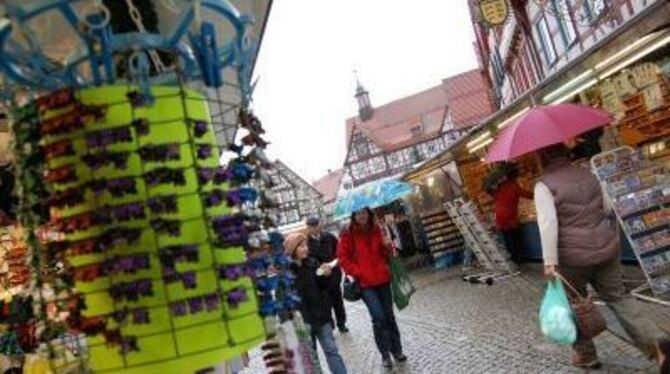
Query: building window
x=288, y=196
x=292, y=216
x=448, y=123
x=594, y=9
x=394, y=159
x=400, y=158
x=373, y=148
x=431, y=148
x=359, y=170
x=306, y=209
x=377, y=165
x=496, y=62
x=545, y=40
x=352, y=155
x=361, y=146
x=451, y=136
x=415, y=155
x=565, y=21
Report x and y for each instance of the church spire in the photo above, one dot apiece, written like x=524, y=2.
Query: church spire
x=365, y=110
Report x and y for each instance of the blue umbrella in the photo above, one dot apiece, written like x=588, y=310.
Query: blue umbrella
x=371, y=195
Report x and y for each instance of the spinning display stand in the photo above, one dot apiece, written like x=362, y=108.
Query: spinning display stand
x=141, y=222
x=151, y=255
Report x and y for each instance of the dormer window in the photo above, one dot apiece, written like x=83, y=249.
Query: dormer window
x=417, y=130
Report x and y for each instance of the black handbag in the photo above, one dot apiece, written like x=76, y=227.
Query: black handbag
x=351, y=290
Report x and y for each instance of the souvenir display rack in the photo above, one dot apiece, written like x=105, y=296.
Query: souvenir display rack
x=165, y=259
x=479, y=238
x=639, y=192
x=443, y=236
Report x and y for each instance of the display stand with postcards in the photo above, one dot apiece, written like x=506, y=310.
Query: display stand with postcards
x=479, y=239
x=639, y=192
x=443, y=237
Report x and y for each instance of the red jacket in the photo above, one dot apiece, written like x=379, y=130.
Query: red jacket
x=364, y=256
x=506, y=200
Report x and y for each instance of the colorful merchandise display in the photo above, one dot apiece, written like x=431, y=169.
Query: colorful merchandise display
x=158, y=243
x=638, y=97
x=141, y=252
x=474, y=174
x=149, y=232
x=639, y=191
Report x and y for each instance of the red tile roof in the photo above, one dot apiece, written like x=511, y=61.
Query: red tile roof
x=391, y=124
x=468, y=98
x=329, y=185
x=390, y=128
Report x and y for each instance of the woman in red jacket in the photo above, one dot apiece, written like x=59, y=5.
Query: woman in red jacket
x=506, y=198
x=363, y=253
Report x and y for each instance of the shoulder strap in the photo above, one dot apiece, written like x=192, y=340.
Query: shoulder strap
x=353, y=242
x=570, y=287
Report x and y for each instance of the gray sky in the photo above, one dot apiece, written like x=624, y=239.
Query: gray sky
x=311, y=47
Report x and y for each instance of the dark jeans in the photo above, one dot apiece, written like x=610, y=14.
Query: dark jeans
x=380, y=306
x=324, y=334
x=512, y=240
x=335, y=294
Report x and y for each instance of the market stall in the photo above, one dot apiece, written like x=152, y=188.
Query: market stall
x=626, y=73
x=637, y=96
x=637, y=185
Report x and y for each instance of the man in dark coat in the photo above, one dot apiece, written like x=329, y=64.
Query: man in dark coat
x=323, y=247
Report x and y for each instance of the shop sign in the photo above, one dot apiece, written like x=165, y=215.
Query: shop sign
x=494, y=12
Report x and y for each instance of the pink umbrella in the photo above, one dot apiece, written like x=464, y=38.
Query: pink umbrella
x=543, y=126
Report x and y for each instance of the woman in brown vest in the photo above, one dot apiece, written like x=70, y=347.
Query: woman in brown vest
x=580, y=242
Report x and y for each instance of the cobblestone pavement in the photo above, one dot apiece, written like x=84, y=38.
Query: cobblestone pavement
x=456, y=327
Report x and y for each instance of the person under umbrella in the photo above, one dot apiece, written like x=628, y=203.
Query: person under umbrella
x=364, y=254
x=581, y=243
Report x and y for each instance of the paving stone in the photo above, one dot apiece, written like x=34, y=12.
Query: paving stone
x=456, y=327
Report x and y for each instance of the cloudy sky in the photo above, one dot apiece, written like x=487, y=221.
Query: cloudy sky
x=311, y=47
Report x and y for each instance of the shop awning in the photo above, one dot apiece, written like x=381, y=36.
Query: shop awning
x=652, y=19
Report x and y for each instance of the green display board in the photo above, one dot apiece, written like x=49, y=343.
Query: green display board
x=168, y=343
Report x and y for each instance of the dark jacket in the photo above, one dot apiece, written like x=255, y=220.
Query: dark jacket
x=364, y=256
x=323, y=250
x=315, y=305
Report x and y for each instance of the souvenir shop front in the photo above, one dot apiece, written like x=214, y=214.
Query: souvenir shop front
x=631, y=157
